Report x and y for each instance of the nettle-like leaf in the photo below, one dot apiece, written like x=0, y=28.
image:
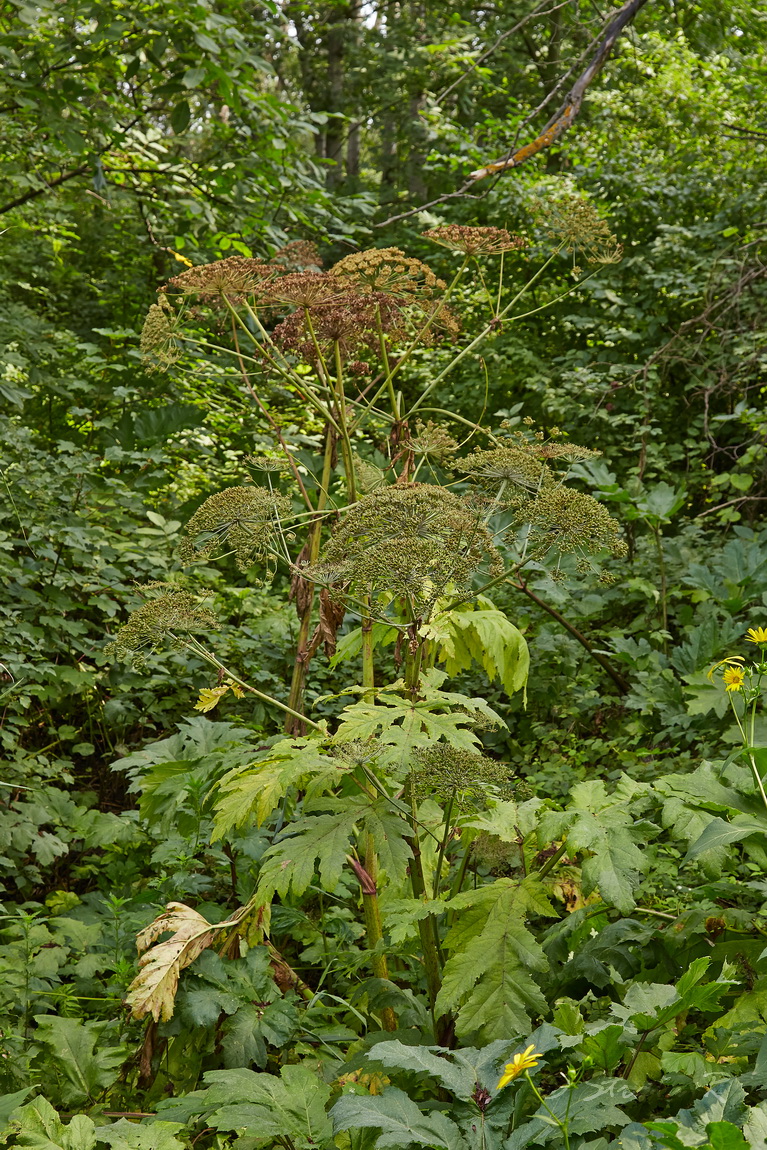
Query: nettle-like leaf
x=487, y=981
x=589, y=1107
x=605, y=831
x=262, y=1106
x=153, y=990
x=398, y=1118
x=323, y=840
x=250, y=793
x=479, y=633
x=399, y=725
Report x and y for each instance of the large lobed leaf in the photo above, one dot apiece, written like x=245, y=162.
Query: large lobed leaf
x=487, y=981
x=153, y=990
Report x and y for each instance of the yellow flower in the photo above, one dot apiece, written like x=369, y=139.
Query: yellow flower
x=518, y=1065
x=733, y=678
x=756, y=635
x=733, y=662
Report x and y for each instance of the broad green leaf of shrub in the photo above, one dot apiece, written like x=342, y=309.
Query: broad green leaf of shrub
x=487, y=981
x=125, y=1135
x=719, y=834
x=84, y=1065
x=604, y=830
x=39, y=1127
x=588, y=1108
x=398, y=1118
x=649, y=1005
x=11, y=1102
x=267, y=1107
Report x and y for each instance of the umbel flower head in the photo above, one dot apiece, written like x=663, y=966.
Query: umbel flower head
x=298, y=256
x=576, y=224
x=245, y=518
x=171, y=614
x=303, y=289
x=475, y=241
x=233, y=277
x=410, y=541
x=500, y=466
x=463, y=776
x=571, y=521
x=433, y=441
x=387, y=270
x=349, y=321
x=159, y=345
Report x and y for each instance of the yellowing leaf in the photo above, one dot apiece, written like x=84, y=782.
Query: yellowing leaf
x=235, y=688
x=153, y=990
x=210, y=697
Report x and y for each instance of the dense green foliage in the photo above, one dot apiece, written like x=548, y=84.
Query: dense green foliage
x=356, y=664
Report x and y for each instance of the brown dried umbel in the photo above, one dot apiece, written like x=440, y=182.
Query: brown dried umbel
x=304, y=289
x=298, y=256
x=411, y=542
x=247, y=519
x=390, y=271
x=350, y=323
x=475, y=241
x=233, y=277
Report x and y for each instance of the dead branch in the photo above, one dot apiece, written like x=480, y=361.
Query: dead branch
x=571, y=106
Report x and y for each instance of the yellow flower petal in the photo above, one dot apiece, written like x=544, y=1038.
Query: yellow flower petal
x=756, y=635
x=733, y=678
x=518, y=1065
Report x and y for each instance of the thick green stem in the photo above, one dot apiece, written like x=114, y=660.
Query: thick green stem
x=301, y=664
x=368, y=664
x=346, y=443
x=663, y=581
x=373, y=928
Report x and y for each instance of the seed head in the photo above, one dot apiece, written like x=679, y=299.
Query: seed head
x=159, y=345
x=501, y=466
x=475, y=241
x=174, y=613
x=577, y=225
x=433, y=441
x=465, y=776
x=245, y=518
x=303, y=289
x=572, y=522
x=410, y=541
x=233, y=277
x=388, y=270
x=298, y=256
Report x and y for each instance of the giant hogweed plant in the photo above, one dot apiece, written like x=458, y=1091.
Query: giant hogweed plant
x=398, y=524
